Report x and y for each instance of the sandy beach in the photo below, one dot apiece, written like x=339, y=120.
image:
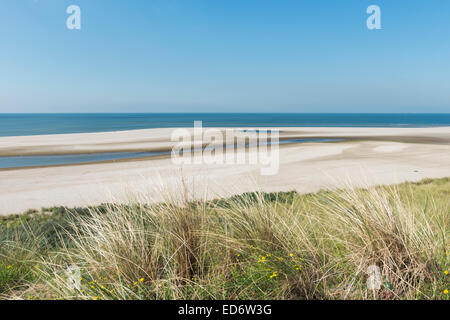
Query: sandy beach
x=367, y=156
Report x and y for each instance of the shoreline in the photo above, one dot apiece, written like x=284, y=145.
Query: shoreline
x=158, y=140
x=369, y=157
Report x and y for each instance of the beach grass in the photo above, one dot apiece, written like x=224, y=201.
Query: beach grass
x=385, y=242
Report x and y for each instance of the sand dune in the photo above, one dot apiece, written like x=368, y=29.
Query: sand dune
x=369, y=156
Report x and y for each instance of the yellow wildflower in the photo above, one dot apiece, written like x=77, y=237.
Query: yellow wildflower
x=141, y=279
x=445, y=291
x=446, y=272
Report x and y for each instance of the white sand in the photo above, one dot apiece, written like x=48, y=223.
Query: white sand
x=372, y=159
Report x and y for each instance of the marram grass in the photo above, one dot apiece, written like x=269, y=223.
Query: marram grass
x=327, y=245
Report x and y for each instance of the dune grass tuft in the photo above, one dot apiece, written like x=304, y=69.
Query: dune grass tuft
x=386, y=242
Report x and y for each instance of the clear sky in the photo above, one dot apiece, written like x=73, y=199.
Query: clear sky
x=224, y=56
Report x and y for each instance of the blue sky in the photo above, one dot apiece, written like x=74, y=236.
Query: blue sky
x=224, y=56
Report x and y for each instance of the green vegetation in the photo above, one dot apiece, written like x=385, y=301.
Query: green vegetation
x=253, y=246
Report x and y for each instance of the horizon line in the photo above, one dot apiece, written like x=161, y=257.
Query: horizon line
x=58, y=113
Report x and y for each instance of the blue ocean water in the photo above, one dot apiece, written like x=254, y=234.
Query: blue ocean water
x=37, y=124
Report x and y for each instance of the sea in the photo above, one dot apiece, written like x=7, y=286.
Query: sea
x=43, y=124
x=39, y=124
